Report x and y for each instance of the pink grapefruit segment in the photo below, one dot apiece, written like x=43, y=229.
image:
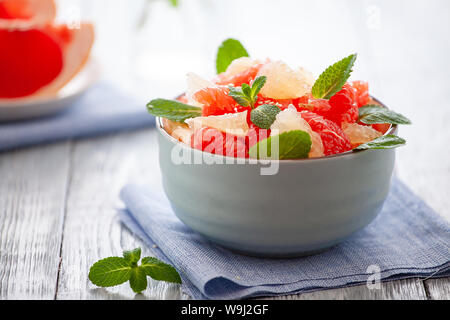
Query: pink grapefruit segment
x=36, y=10
x=41, y=60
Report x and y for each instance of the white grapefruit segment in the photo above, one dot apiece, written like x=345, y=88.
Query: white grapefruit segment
x=283, y=82
x=359, y=134
x=290, y=119
x=232, y=123
x=196, y=83
x=76, y=53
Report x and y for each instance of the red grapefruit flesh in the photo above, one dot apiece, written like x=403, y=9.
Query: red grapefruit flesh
x=24, y=69
x=237, y=80
x=333, y=138
x=41, y=60
x=35, y=10
x=215, y=101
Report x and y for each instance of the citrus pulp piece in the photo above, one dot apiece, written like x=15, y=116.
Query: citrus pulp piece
x=231, y=123
x=333, y=138
x=242, y=70
x=359, y=134
x=290, y=119
x=215, y=101
x=283, y=82
x=196, y=83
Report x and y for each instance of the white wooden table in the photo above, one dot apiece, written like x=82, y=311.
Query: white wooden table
x=58, y=202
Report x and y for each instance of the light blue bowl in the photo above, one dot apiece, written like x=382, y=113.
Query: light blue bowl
x=308, y=206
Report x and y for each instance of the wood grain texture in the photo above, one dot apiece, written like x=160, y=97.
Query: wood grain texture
x=100, y=169
x=438, y=289
x=33, y=185
x=409, y=289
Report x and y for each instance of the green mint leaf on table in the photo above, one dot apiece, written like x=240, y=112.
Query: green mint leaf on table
x=173, y=110
x=333, y=78
x=113, y=271
x=133, y=256
x=246, y=95
x=294, y=144
x=110, y=272
x=384, y=142
x=229, y=50
x=372, y=114
x=174, y=3
x=264, y=115
x=159, y=270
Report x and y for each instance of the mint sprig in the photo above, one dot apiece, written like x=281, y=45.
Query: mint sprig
x=159, y=270
x=264, y=115
x=333, y=78
x=113, y=271
x=246, y=95
x=229, y=50
x=372, y=114
x=294, y=144
x=384, y=142
x=173, y=110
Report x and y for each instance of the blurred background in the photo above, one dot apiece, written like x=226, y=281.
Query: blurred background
x=147, y=46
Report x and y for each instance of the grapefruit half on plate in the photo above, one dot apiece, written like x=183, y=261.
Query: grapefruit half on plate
x=40, y=60
x=38, y=11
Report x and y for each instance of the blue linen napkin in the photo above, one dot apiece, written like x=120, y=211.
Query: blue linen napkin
x=102, y=109
x=407, y=239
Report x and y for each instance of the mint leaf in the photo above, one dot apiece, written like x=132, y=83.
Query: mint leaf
x=239, y=96
x=333, y=78
x=257, y=85
x=159, y=270
x=174, y=3
x=246, y=90
x=372, y=114
x=384, y=142
x=246, y=95
x=264, y=115
x=173, y=110
x=110, y=272
x=113, y=271
x=229, y=50
x=138, y=280
x=132, y=256
x=294, y=144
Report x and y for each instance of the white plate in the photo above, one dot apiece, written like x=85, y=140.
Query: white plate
x=27, y=108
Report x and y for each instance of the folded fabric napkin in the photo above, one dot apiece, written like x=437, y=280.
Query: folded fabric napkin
x=406, y=240
x=102, y=109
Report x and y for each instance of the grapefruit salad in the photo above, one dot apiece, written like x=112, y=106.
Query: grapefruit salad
x=266, y=109
x=37, y=56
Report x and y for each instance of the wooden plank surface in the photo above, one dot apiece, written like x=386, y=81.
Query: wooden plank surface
x=438, y=289
x=33, y=185
x=91, y=232
x=409, y=289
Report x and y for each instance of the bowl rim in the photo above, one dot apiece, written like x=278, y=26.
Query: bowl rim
x=347, y=154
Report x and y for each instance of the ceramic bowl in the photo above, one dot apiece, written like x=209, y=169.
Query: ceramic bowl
x=309, y=205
